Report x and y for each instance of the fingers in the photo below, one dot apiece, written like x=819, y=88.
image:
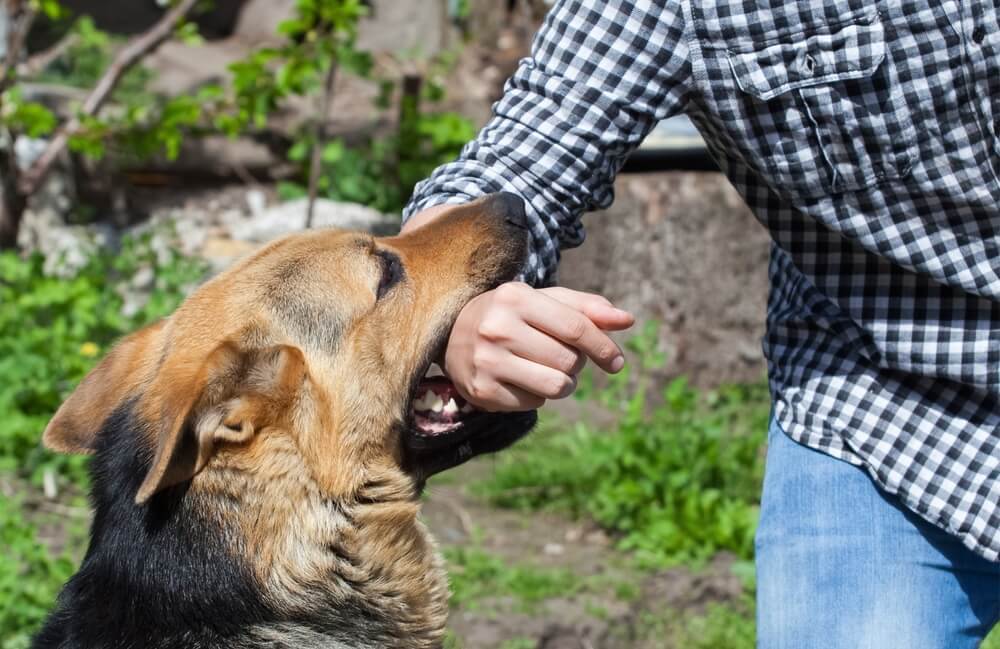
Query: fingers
x=511, y=383
x=533, y=345
x=514, y=347
x=575, y=329
x=599, y=309
x=506, y=398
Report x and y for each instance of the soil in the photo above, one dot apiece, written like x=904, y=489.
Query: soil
x=596, y=618
x=614, y=608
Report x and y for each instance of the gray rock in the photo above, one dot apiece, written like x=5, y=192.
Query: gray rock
x=256, y=202
x=28, y=149
x=290, y=217
x=66, y=248
x=259, y=20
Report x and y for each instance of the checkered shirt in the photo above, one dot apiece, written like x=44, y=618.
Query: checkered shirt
x=866, y=137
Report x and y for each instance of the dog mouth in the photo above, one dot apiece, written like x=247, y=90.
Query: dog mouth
x=444, y=430
x=437, y=408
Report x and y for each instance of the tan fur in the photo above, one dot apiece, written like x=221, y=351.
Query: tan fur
x=278, y=389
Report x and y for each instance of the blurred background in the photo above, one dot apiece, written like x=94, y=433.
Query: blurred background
x=145, y=145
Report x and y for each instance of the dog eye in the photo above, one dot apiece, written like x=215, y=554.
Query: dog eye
x=392, y=272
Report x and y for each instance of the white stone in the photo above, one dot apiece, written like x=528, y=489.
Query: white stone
x=290, y=217
x=256, y=202
x=553, y=549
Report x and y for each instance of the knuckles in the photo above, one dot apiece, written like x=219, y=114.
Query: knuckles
x=576, y=330
x=492, y=328
x=607, y=352
x=510, y=294
x=568, y=363
x=559, y=387
x=482, y=390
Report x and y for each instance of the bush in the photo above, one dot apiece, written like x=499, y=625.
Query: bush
x=30, y=578
x=52, y=331
x=380, y=172
x=677, y=484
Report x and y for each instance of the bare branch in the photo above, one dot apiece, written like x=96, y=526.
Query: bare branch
x=317, y=152
x=37, y=63
x=133, y=52
x=20, y=18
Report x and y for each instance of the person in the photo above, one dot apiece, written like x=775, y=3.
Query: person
x=865, y=136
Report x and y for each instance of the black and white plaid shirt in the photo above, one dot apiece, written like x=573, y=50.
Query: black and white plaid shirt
x=866, y=137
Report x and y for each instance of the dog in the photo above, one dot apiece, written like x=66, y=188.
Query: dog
x=258, y=456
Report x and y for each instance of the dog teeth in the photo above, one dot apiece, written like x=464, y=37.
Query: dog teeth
x=431, y=401
x=424, y=403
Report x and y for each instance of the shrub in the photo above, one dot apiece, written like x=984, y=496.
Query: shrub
x=677, y=484
x=52, y=331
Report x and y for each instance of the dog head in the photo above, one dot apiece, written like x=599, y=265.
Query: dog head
x=317, y=343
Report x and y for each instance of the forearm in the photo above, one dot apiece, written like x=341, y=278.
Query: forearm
x=601, y=75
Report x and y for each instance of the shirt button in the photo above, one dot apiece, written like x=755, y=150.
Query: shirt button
x=978, y=34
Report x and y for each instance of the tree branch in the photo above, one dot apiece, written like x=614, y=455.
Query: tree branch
x=38, y=62
x=20, y=18
x=133, y=52
x=315, y=164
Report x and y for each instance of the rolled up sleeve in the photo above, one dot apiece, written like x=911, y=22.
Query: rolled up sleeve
x=599, y=78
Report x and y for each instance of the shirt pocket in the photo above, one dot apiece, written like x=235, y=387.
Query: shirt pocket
x=821, y=110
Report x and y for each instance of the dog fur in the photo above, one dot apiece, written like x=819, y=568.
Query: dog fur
x=252, y=481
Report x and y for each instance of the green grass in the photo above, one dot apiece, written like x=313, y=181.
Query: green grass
x=722, y=627
x=676, y=484
x=52, y=331
x=519, y=643
x=30, y=577
x=476, y=576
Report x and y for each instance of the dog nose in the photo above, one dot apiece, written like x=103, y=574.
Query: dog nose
x=511, y=207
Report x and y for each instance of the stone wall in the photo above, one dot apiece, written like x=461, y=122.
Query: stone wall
x=682, y=248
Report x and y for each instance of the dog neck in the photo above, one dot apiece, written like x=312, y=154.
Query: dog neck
x=239, y=560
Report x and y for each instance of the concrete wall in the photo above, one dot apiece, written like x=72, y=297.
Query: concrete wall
x=682, y=248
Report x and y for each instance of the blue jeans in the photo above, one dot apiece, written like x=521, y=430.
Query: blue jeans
x=841, y=565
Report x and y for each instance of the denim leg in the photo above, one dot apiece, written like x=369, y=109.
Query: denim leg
x=841, y=566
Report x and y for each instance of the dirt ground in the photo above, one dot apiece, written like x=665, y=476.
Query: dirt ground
x=616, y=605
x=596, y=618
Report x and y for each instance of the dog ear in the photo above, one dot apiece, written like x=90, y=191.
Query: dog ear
x=74, y=427
x=232, y=396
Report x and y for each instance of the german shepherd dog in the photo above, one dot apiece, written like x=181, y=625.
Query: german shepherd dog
x=258, y=460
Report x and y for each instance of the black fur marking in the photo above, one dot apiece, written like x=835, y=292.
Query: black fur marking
x=156, y=575
x=164, y=576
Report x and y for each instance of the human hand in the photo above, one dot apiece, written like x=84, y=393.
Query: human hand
x=514, y=347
